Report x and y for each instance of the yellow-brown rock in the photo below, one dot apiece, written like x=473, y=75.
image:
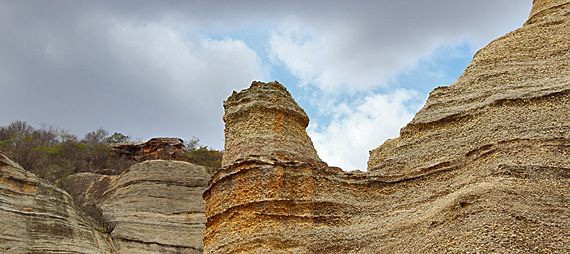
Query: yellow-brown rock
x=153, y=149
x=264, y=121
x=484, y=167
x=37, y=217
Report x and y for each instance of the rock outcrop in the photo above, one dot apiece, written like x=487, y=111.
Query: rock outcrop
x=153, y=207
x=156, y=207
x=483, y=167
x=37, y=217
x=153, y=149
x=264, y=122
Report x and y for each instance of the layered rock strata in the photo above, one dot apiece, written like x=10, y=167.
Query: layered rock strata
x=152, y=207
x=264, y=121
x=482, y=168
x=37, y=217
x=156, y=207
x=87, y=188
x=515, y=88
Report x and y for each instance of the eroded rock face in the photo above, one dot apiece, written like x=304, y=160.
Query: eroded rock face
x=483, y=167
x=153, y=207
x=157, y=207
x=515, y=88
x=264, y=121
x=37, y=217
x=153, y=149
x=87, y=188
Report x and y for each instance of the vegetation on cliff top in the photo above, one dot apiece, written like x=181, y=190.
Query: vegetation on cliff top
x=53, y=153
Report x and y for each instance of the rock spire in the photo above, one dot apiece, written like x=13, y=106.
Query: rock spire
x=265, y=121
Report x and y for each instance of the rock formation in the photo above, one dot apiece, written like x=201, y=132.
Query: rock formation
x=483, y=167
x=153, y=207
x=157, y=207
x=87, y=188
x=153, y=149
x=264, y=122
x=37, y=217
x=515, y=89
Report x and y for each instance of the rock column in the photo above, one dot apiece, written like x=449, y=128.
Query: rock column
x=265, y=184
x=265, y=121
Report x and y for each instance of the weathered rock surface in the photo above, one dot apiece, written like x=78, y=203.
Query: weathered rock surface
x=484, y=167
x=153, y=149
x=264, y=121
x=515, y=88
x=37, y=217
x=87, y=188
x=153, y=207
x=157, y=207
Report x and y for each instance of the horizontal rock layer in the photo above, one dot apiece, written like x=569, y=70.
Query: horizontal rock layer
x=484, y=203
x=153, y=149
x=153, y=207
x=157, y=207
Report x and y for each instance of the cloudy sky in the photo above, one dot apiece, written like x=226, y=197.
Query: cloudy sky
x=360, y=69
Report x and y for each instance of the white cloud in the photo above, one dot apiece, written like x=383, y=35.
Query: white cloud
x=359, y=127
x=185, y=66
x=343, y=52
x=186, y=73
x=329, y=60
x=355, y=48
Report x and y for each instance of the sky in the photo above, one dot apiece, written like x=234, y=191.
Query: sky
x=360, y=69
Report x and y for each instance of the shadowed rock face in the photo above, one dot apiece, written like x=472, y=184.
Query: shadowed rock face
x=37, y=217
x=483, y=167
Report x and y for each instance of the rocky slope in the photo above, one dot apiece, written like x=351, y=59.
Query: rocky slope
x=37, y=217
x=482, y=168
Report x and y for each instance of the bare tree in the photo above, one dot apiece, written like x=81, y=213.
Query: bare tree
x=97, y=136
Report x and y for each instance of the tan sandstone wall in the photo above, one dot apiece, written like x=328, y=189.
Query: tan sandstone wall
x=157, y=206
x=482, y=168
x=152, y=207
x=37, y=217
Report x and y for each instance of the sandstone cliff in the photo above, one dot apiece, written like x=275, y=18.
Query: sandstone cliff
x=482, y=168
x=157, y=207
x=37, y=217
x=152, y=207
x=515, y=89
